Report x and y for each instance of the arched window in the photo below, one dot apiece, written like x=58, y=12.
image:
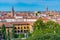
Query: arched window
x=18, y=27
x=24, y=27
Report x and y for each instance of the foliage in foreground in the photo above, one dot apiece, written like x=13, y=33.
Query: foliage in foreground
x=40, y=35
x=45, y=31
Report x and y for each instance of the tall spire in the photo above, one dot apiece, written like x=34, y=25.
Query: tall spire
x=12, y=13
x=47, y=9
x=13, y=10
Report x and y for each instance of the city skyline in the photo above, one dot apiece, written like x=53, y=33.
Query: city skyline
x=29, y=5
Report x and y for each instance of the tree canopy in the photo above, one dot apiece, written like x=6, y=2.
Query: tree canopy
x=45, y=31
x=38, y=25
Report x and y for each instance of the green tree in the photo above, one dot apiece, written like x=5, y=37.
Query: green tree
x=52, y=25
x=51, y=31
x=13, y=31
x=39, y=12
x=38, y=25
x=4, y=32
x=14, y=35
x=8, y=35
x=58, y=30
x=40, y=35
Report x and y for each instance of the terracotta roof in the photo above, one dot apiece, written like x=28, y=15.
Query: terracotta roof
x=1, y=24
x=29, y=17
x=1, y=18
x=21, y=14
x=58, y=21
x=7, y=24
x=24, y=23
x=21, y=23
x=9, y=17
x=45, y=18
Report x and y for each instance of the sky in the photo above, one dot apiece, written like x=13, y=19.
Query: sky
x=30, y=5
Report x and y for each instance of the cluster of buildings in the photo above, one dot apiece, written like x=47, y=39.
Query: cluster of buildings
x=23, y=21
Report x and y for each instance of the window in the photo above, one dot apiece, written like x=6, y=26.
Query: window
x=25, y=31
x=27, y=27
x=24, y=27
x=18, y=27
x=15, y=31
x=21, y=30
x=15, y=27
x=18, y=31
x=21, y=27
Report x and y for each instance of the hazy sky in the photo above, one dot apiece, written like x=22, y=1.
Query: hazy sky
x=29, y=5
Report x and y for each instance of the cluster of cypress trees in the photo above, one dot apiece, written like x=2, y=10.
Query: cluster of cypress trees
x=6, y=35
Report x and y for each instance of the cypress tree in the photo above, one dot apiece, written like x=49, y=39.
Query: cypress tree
x=8, y=35
x=13, y=31
x=4, y=32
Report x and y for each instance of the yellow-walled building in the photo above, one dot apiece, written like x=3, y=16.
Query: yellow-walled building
x=23, y=27
x=20, y=27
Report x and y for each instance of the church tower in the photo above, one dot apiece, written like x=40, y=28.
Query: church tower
x=47, y=10
x=12, y=12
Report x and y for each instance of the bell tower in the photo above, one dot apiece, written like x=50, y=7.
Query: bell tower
x=47, y=10
x=12, y=12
